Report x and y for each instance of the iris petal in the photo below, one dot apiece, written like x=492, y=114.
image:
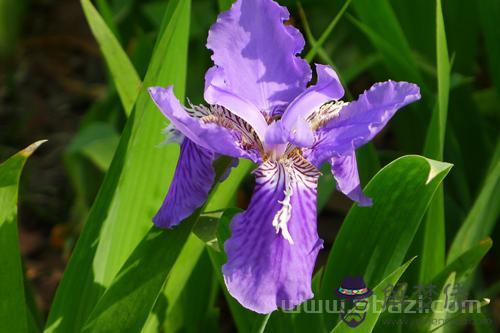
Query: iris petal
x=295, y=117
x=207, y=135
x=345, y=171
x=359, y=121
x=257, y=54
x=193, y=178
x=217, y=93
x=264, y=269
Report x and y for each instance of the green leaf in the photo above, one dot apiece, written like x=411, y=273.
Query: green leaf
x=179, y=275
x=482, y=323
x=204, y=232
x=437, y=128
x=126, y=79
x=137, y=181
x=224, y=4
x=225, y=192
x=379, y=291
x=489, y=11
x=194, y=311
x=440, y=316
x=484, y=213
x=126, y=304
x=324, y=36
x=13, y=309
x=97, y=142
x=466, y=263
x=388, y=37
x=374, y=241
x=462, y=268
x=433, y=241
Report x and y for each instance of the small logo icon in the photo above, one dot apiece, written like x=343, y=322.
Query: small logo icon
x=353, y=294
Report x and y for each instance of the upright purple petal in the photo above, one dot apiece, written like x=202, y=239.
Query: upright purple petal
x=207, y=135
x=257, y=54
x=274, y=243
x=345, y=172
x=359, y=121
x=193, y=178
x=217, y=93
x=295, y=117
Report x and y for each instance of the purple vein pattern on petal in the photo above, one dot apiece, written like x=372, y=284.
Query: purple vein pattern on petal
x=327, y=88
x=359, y=121
x=265, y=271
x=193, y=178
x=207, y=135
x=345, y=171
x=257, y=54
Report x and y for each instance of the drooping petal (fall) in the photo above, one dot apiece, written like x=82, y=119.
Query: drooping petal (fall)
x=193, y=178
x=294, y=121
x=359, y=121
x=257, y=54
x=274, y=243
x=345, y=172
x=208, y=135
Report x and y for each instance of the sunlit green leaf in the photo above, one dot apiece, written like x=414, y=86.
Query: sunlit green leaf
x=13, y=309
x=125, y=77
x=377, y=238
x=133, y=188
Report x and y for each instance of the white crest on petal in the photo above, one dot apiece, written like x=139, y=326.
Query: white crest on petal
x=282, y=217
x=295, y=169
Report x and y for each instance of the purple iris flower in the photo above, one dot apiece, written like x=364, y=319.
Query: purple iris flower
x=262, y=108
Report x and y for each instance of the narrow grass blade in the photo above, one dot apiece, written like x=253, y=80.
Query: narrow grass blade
x=126, y=79
x=464, y=265
x=482, y=217
x=139, y=282
x=13, y=309
x=259, y=326
x=388, y=38
x=433, y=241
x=324, y=36
x=126, y=304
x=204, y=233
x=133, y=188
x=440, y=317
x=225, y=192
x=97, y=142
x=179, y=275
x=379, y=291
x=377, y=238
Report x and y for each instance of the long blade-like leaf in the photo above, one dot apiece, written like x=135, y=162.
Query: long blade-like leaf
x=433, y=241
x=377, y=238
x=133, y=188
x=484, y=213
x=126, y=79
x=13, y=310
